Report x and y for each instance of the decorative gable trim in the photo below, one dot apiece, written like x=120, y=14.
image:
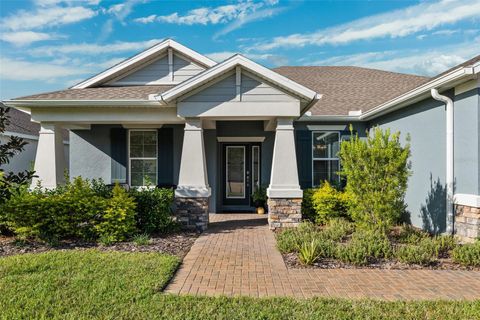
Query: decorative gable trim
x=143, y=57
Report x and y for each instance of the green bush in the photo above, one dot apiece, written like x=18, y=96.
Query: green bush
x=52, y=215
x=467, y=254
x=308, y=211
x=377, y=171
x=337, y=229
x=118, y=220
x=154, y=209
x=410, y=235
x=421, y=254
x=309, y=251
x=364, y=246
x=290, y=240
x=141, y=239
x=329, y=203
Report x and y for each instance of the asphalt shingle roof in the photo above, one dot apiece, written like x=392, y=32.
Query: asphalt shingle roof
x=101, y=93
x=347, y=89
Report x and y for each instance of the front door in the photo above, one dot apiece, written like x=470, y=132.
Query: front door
x=241, y=174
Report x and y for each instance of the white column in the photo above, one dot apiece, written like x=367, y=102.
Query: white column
x=50, y=158
x=284, y=178
x=193, y=179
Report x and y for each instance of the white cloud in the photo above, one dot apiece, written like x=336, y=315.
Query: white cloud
x=399, y=23
x=122, y=10
x=13, y=69
x=22, y=38
x=46, y=17
x=239, y=13
x=426, y=62
x=93, y=48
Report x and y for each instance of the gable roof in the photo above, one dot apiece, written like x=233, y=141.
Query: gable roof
x=247, y=64
x=347, y=89
x=142, y=58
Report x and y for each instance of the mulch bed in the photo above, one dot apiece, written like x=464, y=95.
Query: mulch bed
x=177, y=244
x=292, y=262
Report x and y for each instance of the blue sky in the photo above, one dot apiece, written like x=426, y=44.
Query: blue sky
x=52, y=44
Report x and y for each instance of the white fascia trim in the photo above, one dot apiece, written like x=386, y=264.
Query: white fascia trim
x=240, y=139
x=144, y=55
x=424, y=89
x=81, y=103
x=229, y=64
x=306, y=118
x=469, y=200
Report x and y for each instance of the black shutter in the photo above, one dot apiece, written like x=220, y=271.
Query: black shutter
x=165, y=157
x=304, y=158
x=118, y=140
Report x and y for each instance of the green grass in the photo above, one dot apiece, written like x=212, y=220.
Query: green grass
x=114, y=285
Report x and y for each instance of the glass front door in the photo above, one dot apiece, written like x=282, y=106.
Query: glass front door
x=241, y=173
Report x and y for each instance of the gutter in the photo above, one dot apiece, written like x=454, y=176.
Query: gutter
x=80, y=103
x=449, y=157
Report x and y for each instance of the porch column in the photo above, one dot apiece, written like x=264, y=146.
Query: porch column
x=50, y=158
x=284, y=193
x=193, y=191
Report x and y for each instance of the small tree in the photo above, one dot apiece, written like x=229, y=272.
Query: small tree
x=377, y=170
x=10, y=182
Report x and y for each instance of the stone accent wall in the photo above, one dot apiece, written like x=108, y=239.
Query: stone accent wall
x=284, y=212
x=467, y=222
x=192, y=213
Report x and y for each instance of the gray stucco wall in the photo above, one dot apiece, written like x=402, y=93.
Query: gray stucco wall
x=425, y=123
x=90, y=153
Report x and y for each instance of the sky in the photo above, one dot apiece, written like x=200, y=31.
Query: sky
x=49, y=45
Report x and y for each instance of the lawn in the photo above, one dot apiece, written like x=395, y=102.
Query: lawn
x=89, y=284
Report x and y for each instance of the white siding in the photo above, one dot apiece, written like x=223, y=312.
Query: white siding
x=183, y=69
x=158, y=72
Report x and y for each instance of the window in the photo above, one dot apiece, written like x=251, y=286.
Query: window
x=143, y=157
x=326, y=164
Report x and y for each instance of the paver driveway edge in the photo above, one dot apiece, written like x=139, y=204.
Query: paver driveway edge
x=237, y=256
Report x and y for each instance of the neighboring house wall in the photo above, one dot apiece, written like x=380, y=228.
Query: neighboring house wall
x=25, y=159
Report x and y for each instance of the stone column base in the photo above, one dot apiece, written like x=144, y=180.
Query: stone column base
x=284, y=212
x=192, y=213
x=467, y=222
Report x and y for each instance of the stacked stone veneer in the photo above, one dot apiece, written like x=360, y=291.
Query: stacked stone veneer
x=284, y=212
x=467, y=222
x=192, y=213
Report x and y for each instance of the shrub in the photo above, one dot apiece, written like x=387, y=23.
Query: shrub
x=337, y=229
x=118, y=219
x=364, y=246
x=52, y=215
x=410, y=235
x=141, y=239
x=421, y=254
x=467, y=254
x=290, y=240
x=154, y=209
x=443, y=244
x=309, y=251
x=329, y=203
x=259, y=197
x=308, y=211
x=377, y=171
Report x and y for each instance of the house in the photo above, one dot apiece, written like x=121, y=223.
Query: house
x=218, y=131
x=21, y=126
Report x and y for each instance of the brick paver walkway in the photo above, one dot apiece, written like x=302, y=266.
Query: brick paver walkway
x=237, y=256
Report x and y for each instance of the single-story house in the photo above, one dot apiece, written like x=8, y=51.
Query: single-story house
x=20, y=125
x=218, y=131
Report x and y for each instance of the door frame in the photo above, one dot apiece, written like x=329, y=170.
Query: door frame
x=232, y=204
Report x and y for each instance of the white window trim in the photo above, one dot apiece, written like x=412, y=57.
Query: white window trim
x=135, y=158
x=226, y=173
x=323, y=159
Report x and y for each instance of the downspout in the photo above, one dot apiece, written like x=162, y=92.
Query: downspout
x=450, y=158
